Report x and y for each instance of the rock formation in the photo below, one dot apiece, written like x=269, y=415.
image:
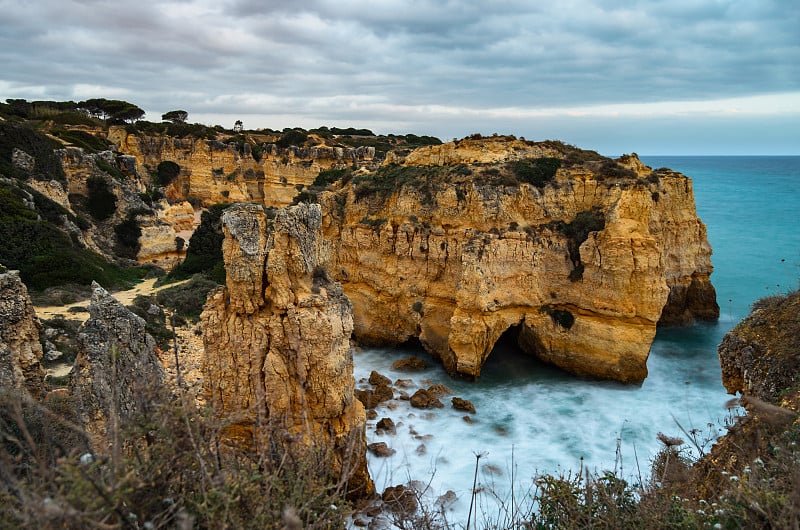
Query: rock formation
x=581, y=268
x=117, y=375
x=277, y=339
x=761, y=356
x=214, y=172
x=20, y=349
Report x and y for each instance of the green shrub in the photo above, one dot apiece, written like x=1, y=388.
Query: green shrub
x=111, y=169
x=45, y=255
x=187, y=299
x=155, y=320
x=47, y=165
x=577, y=231
x=292, y=137
x=204, y=254
x=392, y=178
x=329, y=176
x=101, y=201
x=166, y=172
x=87, y=142
x=127, y=235
x=536, y=171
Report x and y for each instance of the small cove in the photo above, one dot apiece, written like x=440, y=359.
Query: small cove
x=537, y=419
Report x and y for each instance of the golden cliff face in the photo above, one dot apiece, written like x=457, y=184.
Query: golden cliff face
x=277, y=338
x=214, y=172
x=580, y=269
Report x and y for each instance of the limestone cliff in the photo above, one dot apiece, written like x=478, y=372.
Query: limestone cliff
x=20, y=349
x=277, y=338
x=578, y=255
x=117, y=375
x=213, y=171
x=159, y=223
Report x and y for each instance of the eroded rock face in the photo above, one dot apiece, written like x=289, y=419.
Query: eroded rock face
x=461, y=263
x=761, y=356
x=117, y=375
x=277, y=338
x=20, y=349
x=214, y=172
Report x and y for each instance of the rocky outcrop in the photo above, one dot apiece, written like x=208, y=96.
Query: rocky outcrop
x=761, y=356
x=117, y=375
x=277, y=339
x=213, y=171
x=20, y=349
x=580, y=269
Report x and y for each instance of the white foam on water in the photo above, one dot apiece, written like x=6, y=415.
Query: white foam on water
x=536, y=419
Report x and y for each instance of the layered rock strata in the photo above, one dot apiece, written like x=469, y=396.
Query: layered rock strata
x=277, y=339
x=117, y=375
x=20, y=349
x=213, y=172
x=581, y=268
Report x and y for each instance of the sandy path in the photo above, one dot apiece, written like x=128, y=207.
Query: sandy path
x=144, y=288
x=189, y=342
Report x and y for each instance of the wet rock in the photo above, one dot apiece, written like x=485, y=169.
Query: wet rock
x=468, y=419
x=404, y=383
x=447, y=500
x=421, y=449
x=373, y=398
x=376, y=379
x=463, y=405
x=386, y=426
x=422, y=399
x=371, y=414
x=380, y=449
x=400, y=500
x=409, y=364
x=382, y=393
x=439, y=390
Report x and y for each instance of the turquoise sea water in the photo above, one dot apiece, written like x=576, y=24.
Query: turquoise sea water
x=533, y=418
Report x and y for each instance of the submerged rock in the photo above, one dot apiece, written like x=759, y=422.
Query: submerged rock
x=385, y=426
x=409, y=364
x=422, y=399
x=376, y=379
x=463, y=405
x=400, y=499
x=380, y=449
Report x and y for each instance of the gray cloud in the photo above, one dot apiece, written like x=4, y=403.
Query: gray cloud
x=335, y=60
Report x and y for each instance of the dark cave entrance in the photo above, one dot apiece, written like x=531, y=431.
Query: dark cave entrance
x=508, y=361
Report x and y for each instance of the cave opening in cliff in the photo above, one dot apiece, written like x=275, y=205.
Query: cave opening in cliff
x=508, y=360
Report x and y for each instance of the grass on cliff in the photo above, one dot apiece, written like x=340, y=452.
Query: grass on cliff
x=173, y=470
x=37, y=245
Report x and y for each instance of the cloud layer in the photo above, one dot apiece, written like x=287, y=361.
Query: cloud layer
x=432, y=65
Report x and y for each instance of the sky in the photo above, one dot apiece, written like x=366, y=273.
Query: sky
x=665, y=77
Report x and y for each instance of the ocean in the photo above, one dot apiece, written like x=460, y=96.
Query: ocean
x=533, y=419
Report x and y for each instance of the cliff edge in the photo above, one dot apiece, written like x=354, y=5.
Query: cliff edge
x=578, y=256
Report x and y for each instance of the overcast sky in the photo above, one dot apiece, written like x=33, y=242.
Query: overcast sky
x=655, y=77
